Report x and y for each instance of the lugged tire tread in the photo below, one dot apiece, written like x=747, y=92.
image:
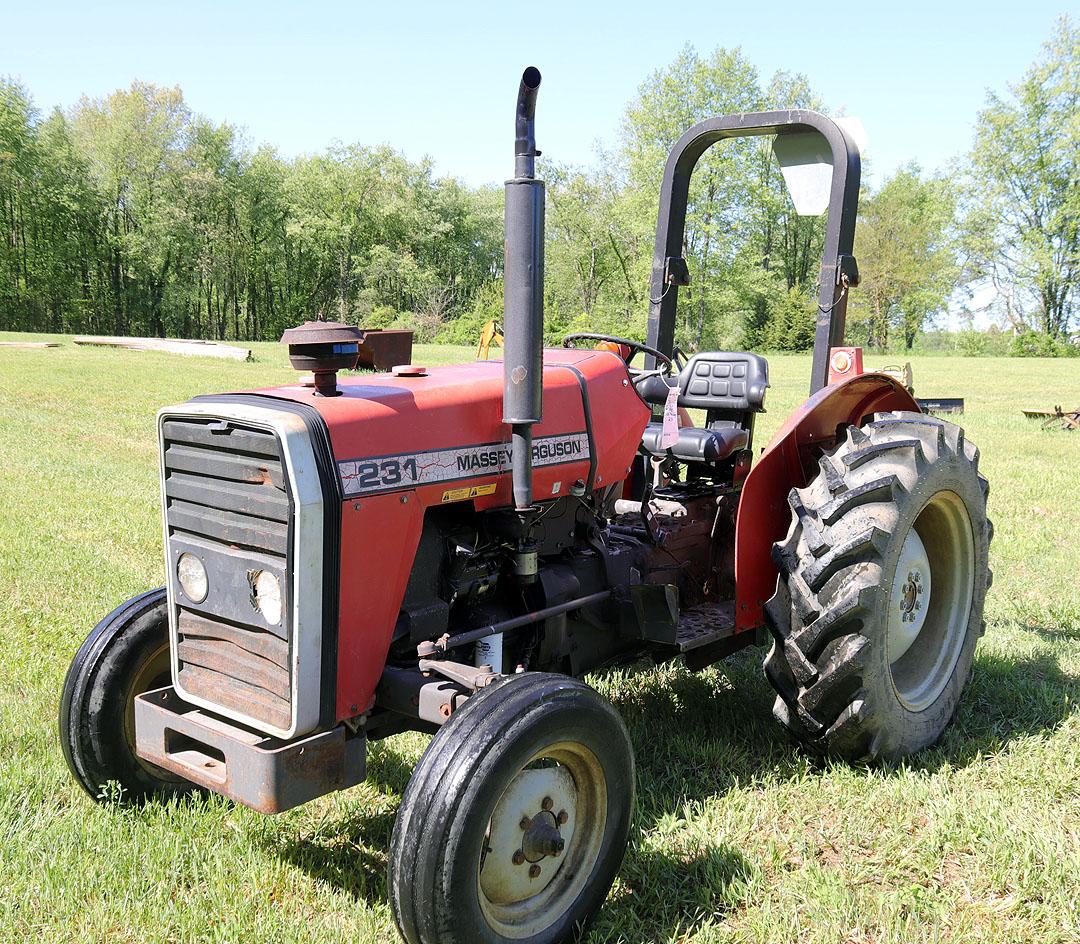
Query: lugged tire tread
x=815, y=618
x=843, y=670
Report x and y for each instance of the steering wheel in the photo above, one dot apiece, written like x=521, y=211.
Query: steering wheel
x=636, y=347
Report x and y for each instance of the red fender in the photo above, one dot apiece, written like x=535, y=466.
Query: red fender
x=790, y=460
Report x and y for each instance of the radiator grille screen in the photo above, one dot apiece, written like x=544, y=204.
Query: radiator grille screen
x=226, y=497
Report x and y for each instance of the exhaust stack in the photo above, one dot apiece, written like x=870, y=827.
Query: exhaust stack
x=523, y=293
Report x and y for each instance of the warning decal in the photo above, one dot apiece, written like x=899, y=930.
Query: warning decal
x=387, y=473
x=466, y=492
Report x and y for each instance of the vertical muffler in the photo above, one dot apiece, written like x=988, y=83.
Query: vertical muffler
x=523, y=294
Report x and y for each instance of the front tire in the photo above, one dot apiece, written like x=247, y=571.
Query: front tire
x=879, y=599
x=126, y=654
x=515, y=821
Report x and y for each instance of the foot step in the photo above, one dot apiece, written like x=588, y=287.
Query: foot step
x=705, y=623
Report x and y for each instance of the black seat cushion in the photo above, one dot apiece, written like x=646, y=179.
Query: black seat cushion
x=719, y=380
x=731, y=381
x=696, y=444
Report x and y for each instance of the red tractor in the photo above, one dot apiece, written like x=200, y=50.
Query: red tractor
x=430, y=550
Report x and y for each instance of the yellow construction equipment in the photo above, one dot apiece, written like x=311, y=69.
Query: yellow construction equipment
x=490, y=334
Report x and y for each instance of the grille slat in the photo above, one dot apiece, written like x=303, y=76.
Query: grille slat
x=225, y=657
x=223, y=465
x=241, y=498
x=236, y=695
x=225, y=492
x=256, y=641
x=228, y=527
x=236, y=439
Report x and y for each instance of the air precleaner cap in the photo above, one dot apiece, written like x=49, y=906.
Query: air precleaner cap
x=324, y=348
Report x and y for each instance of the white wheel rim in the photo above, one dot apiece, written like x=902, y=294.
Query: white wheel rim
x=929, y=603
x=548, y=824
x=538, y=805
x=908, y=602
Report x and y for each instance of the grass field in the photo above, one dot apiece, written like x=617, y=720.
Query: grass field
x=738, y=836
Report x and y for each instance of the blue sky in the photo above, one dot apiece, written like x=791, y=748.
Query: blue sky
x=440, y=78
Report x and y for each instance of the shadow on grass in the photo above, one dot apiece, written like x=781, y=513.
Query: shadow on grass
x=1054, y=633
x=662, y=895
x=1006, y=699
x=350, y=852
x=695, y=737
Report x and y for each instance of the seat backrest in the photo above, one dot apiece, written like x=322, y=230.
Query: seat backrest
x=724, y=380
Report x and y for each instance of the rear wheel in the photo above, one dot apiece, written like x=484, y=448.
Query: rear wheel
x=126, y=654
x=515, y=821
x=880, y=595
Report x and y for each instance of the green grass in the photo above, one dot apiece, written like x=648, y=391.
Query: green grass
x=738, y=836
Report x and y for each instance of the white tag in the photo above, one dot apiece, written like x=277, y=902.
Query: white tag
x=669, y=435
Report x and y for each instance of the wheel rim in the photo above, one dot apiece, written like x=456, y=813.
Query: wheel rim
x=549, y=823
x=930, y=601
x=153, y=673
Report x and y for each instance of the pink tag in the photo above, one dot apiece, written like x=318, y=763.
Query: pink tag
x=669, y=435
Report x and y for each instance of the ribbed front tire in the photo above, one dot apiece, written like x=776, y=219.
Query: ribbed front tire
x=126, y=654
x=516, y=819
x=879, y=601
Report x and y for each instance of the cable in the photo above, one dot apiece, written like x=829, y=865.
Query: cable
x=839, y=298
x=663, y=294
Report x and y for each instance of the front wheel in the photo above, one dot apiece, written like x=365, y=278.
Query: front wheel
x=879, y=600
x=126, y=654
x=516, y=819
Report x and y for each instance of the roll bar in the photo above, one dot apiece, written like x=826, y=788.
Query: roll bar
x=838, y=268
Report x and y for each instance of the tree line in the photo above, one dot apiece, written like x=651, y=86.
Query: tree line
x=131, y=214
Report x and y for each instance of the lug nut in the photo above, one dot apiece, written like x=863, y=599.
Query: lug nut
x=547, y=803
x=562, y=817
x=525, y=823
x=519, y=857
x=534, y=871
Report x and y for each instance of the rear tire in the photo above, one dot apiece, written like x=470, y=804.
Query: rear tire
x=879, y=600
x=536, y=758
x=126, y=654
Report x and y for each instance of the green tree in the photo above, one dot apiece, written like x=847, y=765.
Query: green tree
x=1023, y=227
x=591, y=260
x=668, y=103
x=132, y=142
x=906, y=246
x=752, y=260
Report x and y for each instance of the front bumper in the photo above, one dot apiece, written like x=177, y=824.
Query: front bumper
x=264, y=773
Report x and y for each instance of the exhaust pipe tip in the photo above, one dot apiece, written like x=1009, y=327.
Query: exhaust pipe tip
x=525, y=151
x=530, y=78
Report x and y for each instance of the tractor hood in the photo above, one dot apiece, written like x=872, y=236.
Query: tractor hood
x=441, y=433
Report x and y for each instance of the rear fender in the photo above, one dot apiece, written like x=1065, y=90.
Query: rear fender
x=790, y=460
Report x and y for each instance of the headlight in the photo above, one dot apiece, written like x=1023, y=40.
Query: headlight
x=268, y=597
x=192, y=575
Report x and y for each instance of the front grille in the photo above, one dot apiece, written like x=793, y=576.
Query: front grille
x=226, y=500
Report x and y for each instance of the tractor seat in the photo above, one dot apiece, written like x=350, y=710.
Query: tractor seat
x=696, y=444
x=731, y=382
x=729, y=386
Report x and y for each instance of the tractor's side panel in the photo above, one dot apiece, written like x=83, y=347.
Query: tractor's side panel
x=790, y=461
x=617, y=415
x=379, y=537
x=404, y=445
